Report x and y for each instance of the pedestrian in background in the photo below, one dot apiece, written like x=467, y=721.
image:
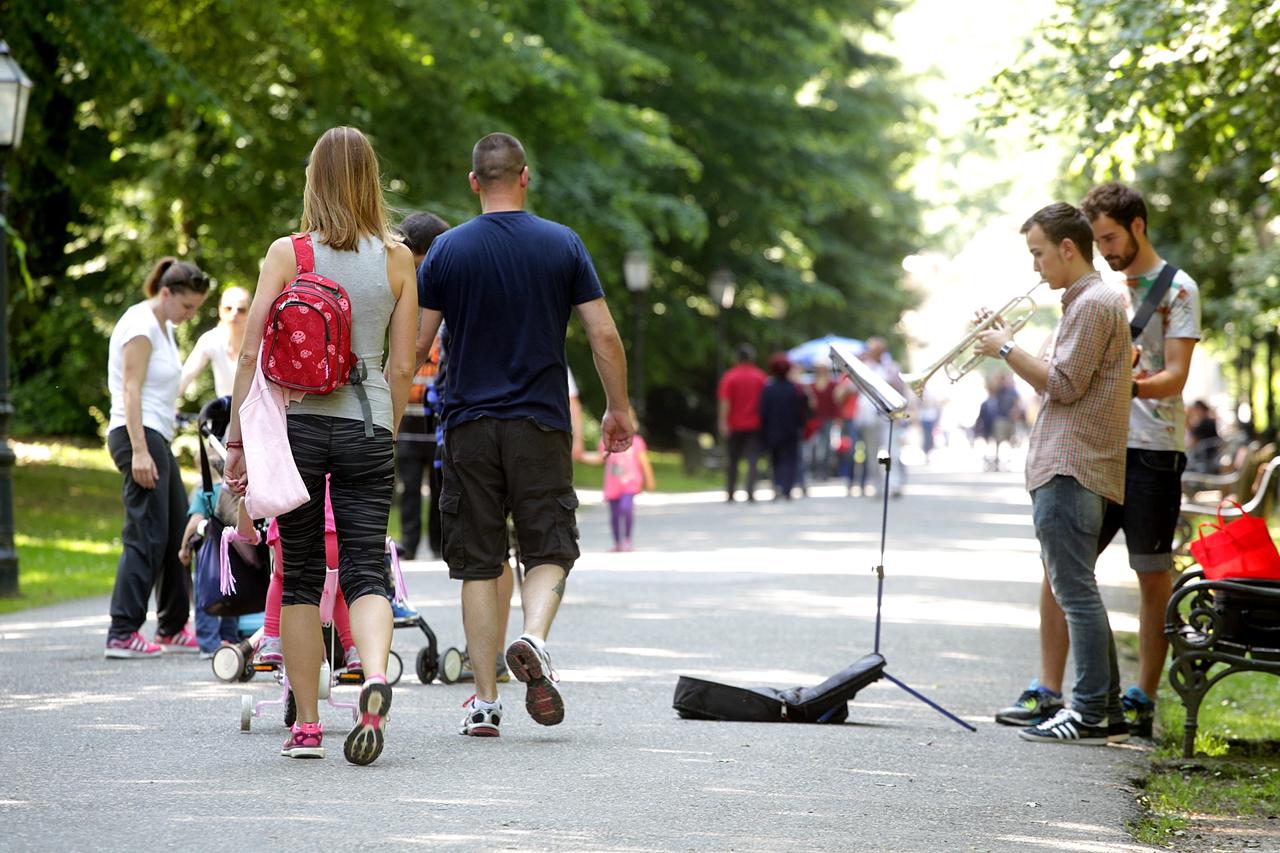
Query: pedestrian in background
x=783, y=411
x=143, y=373
x=416, y=442
x=219, y=347
x=738, y=405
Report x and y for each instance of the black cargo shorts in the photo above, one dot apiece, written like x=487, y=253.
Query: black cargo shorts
x=493, y=467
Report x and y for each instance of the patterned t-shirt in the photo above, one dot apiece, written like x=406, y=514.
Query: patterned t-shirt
x=1160, y=424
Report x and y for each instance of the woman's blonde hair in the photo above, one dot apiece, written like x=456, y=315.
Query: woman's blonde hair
x=343, y=199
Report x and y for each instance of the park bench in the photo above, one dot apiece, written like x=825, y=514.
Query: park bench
x=1234, y=623
x=1236, y=482
x=698, y=451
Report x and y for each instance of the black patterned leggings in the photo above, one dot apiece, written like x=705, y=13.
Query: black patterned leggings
x=361, y=482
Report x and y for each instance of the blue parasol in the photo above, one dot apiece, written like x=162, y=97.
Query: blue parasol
x=819, y=350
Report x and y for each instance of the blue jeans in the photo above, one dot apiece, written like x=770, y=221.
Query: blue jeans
x=1068, y=518
x=212, y=630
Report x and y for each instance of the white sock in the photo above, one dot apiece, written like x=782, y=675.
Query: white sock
x=486, y=706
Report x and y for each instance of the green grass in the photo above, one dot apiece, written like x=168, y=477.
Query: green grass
x=68, y=517
x=668, y=471
x=1236, y=771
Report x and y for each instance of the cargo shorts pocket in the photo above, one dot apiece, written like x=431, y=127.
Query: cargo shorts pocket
x=453, y=540
x=567, y=522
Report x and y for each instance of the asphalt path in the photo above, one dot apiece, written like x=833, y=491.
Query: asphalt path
x=126, y=755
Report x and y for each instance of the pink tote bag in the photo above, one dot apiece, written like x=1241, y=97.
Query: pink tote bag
x=275, y=486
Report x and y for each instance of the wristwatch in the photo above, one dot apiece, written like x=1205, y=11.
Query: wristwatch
x=1006, y=349
x=1135, y=389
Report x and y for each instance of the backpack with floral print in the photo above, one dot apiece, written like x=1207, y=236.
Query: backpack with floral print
x=306, y=339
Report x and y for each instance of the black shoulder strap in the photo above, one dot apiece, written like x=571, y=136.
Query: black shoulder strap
x=1148, y=307
x=206, y=477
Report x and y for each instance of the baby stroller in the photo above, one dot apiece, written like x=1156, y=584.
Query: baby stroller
x=244, y=565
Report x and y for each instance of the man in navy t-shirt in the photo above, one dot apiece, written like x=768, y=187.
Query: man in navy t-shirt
x=505, y=283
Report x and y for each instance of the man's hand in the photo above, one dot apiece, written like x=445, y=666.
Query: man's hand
x=990, y=340
x=616, y=430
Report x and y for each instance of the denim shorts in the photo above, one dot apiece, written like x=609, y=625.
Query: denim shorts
x=1152, y=499
x=493, y=467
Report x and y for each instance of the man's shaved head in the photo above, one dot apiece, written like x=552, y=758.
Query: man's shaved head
x=497, y=159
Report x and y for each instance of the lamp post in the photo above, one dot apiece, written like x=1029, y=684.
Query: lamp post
x=635, y=270
x=15, y=89
x=723, y=287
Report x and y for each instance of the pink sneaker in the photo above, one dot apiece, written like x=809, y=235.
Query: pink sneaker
x=306, y=740
x=183, y=642
x=133, y=646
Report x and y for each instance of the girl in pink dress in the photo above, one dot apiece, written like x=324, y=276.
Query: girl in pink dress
x=626, y=474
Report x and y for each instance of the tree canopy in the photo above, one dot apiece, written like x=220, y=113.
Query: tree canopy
x=757, y=135
x=1180, y=98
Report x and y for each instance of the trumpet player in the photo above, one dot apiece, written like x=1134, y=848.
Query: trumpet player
x=1076, y=455
x=1155, y=455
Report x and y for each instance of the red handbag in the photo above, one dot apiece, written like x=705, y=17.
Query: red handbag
x=1239, y=549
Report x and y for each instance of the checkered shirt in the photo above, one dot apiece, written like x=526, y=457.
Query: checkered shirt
x=1083, y=425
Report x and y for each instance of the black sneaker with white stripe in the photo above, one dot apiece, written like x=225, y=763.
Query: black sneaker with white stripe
x=1067, y=726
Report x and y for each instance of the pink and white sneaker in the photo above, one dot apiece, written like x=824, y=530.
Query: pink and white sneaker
x=131, y=647
x=269, y=651
x=183, y=642
x=306, y=740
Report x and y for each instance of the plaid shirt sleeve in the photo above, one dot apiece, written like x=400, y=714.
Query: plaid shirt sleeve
x=1082, y=344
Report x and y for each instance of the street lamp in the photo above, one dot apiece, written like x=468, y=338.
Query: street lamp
x=635, y=271
x=723, y=287
x=15, y=89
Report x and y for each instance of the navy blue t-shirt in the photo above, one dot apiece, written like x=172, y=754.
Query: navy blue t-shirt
x=506, y=283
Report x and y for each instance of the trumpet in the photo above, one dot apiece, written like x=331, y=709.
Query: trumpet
x=1016, y=312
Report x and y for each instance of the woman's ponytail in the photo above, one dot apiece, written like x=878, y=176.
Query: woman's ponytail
x=178, y=276
x=151, y=286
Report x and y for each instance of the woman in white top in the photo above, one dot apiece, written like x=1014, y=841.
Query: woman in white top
x=143, y=371
x=220, y=346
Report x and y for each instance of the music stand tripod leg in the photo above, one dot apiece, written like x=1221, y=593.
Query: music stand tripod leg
x=887, y=461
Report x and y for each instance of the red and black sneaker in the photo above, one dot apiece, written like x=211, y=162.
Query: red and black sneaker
x=529, y=662
x=364, y=743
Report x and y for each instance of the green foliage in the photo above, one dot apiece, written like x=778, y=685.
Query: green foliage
x=68, y=519
x=758, y=134
x=1179, y=98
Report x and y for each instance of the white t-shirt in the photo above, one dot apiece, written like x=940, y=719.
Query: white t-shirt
x=211, y=348
x=1161, y=424
x=164, y=370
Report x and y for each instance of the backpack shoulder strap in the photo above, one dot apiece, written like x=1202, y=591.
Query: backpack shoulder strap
x=303, y=253
x=1148, y=307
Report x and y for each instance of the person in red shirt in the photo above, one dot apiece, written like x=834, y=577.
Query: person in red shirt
x=739, y=408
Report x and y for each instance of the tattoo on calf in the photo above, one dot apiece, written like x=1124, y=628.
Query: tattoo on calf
x=559, y=589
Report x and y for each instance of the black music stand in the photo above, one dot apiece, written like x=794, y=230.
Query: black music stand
x=893, y=406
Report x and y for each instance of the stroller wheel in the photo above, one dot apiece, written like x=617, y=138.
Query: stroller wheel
x=246, y=712
x=451, y=663
x=290, y=710
x=395, y=668
x=428, y=666
x=228, y=664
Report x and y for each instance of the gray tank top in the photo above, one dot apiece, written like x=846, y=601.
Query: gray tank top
x=363, y=275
